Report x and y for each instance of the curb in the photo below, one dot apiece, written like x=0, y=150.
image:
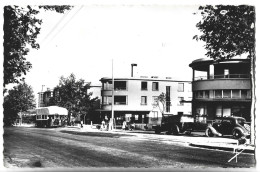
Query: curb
x=222, y=148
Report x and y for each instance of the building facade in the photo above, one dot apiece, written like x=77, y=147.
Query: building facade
x=135, y=99
x=44, y=97
x=221, y=88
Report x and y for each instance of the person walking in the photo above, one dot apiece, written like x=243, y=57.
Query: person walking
x=124, y=125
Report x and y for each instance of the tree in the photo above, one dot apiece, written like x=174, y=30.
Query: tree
x=229, y=31
x=21, y=28
x=73, y=95
x=162, y=100
x=19, y=99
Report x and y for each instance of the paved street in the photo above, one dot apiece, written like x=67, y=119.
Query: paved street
x=61, y=147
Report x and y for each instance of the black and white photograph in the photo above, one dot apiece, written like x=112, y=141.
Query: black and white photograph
x=129, y=85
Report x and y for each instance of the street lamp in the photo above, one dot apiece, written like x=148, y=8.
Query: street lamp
x=132, y=65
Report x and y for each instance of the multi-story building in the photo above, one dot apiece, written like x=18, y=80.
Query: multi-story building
x=44, y=97
x=221, y=88
x=135, y=99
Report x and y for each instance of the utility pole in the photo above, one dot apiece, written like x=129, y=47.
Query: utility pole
x=112, y=104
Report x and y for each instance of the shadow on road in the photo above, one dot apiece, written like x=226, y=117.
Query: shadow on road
x=97, y=134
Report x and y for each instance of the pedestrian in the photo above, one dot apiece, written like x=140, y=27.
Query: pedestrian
x=132, y=126
x=103, y=125
x=81, y=124
x=124, y=125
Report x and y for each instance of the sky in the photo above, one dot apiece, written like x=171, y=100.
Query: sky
x=90, y=40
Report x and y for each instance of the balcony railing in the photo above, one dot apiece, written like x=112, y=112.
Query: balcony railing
x=120, y=88
x=120, y=103
x=109, y=87
x=233, y=76
x=116, y=103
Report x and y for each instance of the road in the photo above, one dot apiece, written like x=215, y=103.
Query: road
x=56, y=147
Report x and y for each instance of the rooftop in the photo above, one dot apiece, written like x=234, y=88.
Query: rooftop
x=152, y=78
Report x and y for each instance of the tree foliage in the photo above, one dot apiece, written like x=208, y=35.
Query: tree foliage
x=19, y=99
x=162, y=100
x=228, y=31
x=73, y=95
x=21, y=28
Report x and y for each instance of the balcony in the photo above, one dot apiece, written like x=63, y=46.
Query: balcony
x=229, y=76
x=214, y=82
x=110, y=87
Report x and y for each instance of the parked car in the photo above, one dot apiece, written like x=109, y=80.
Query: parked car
x=175, y=124
x=231, y=125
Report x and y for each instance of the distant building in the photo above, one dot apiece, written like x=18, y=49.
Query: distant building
x=221, y=88
x=135, y=99
x=44, y=97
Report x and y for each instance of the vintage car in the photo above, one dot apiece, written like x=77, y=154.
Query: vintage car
x=235, y=126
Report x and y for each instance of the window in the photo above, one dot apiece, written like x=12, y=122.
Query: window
x=248, y=95
x=180, y=99
x=120, y=85
x=143, y=85
x=181, y=87
x=120, y=100
x=226, y=93
x=107, y=85
x=107, y=100
x=155, y=86
x=143, y=100
x=206, y=95
x=219, y=111
x=243, y=94
x=226, y=112
x=199, y=94
x=211, y=94
x=235, y=93
x=218, y=93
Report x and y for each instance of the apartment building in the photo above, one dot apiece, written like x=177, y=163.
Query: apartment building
x=221, y=88
x=135, y=99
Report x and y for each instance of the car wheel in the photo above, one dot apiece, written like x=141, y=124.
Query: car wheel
x=209, y=132
x=237, y=134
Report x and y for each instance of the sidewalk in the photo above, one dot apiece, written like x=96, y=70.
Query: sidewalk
x=196, y=139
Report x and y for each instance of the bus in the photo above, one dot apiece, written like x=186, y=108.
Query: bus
x=51, y=116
